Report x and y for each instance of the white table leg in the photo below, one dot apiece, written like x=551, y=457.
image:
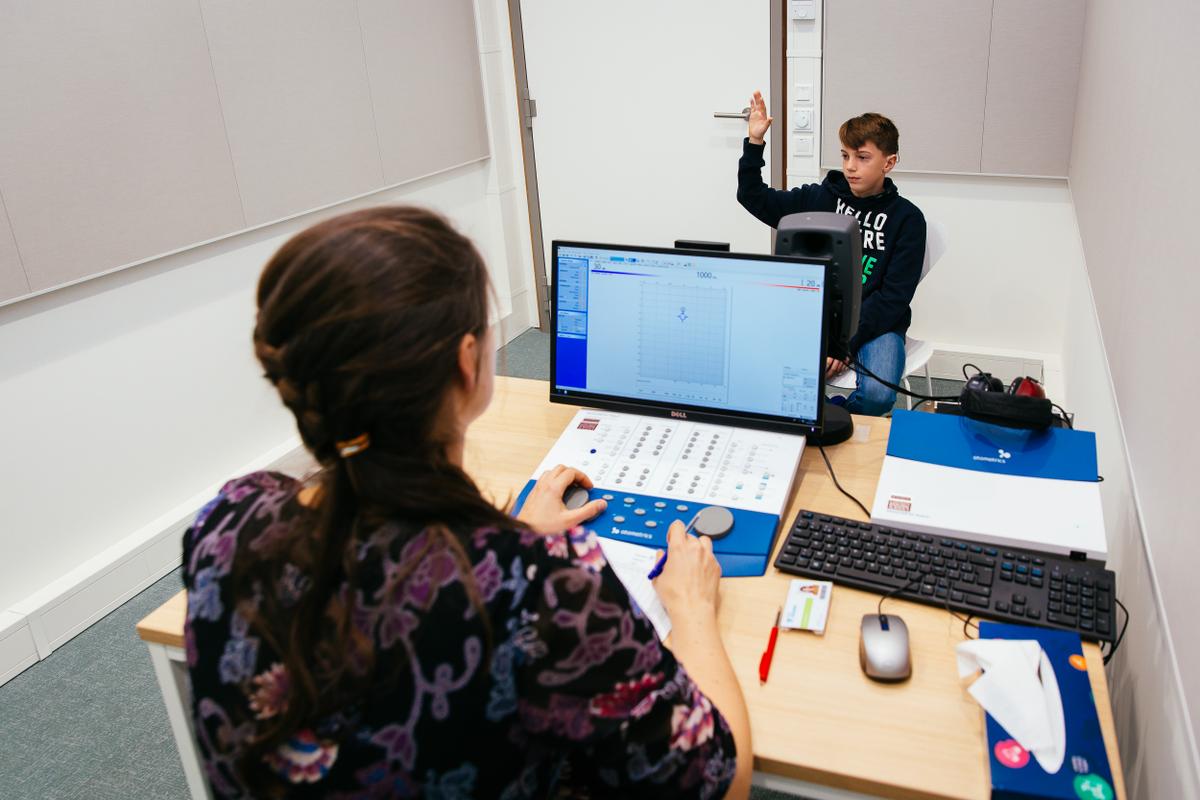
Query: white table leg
x=170, y=667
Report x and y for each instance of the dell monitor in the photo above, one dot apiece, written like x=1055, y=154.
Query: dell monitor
x=728, y=338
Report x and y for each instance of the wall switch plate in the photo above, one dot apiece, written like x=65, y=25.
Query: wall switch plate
x=803, y=93
x=804, y=9
x=802, y=119
x=802, y=145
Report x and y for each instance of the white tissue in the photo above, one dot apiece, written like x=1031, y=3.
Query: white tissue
x=1019, y=689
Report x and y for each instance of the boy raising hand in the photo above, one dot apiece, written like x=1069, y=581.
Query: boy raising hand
x=893, y=231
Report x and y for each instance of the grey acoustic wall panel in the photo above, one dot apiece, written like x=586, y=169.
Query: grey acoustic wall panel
x=12, y=277
x=921, y=62
x=111, y=145
x=293, y=86
x=423, y=61
x=1033, y=73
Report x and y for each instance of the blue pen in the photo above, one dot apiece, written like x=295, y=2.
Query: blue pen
x=662, y=562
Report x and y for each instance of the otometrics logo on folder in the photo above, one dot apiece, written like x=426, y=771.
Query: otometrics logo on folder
x=964, y=443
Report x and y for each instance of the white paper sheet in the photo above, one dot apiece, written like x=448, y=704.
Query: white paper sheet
x=633, y=563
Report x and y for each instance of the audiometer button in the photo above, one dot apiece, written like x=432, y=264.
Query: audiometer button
x=681, y=507
x=651, y=523
x=660, y=504
x=607, y=497
x=629, y=501
x=641, y=512
x=618, y=519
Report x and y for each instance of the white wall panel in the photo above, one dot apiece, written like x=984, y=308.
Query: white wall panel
x=111, y=145
x=12, y=277
x=1010, y=245
x=923, y=63
x=1033, y=72
x=423, y=62
x=1157, y=750
x=293, y=87
x=1135, y=196
x=147, y=383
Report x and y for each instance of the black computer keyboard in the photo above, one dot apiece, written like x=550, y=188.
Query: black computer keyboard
x=1002, y=583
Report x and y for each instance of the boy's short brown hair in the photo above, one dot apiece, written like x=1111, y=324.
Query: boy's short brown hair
x=871, y=127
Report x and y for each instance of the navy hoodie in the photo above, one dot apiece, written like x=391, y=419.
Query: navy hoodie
x=893, y=232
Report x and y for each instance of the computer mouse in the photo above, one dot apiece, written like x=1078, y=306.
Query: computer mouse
x=575, y=497
x=883, y=648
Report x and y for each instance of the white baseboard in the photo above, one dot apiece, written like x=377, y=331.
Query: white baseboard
x=18, y=650
x=518, y=321
x=54, y=615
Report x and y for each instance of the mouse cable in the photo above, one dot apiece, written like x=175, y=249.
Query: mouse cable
x=966, y=621
x=1120, y=635
x=893, y=592
x=829, y=466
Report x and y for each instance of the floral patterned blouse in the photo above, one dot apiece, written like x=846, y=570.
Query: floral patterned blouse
x=576, y=697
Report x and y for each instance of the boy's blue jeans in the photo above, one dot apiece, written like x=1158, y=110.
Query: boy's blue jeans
x=883, y=355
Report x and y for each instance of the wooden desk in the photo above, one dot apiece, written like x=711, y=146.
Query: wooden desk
x=820, y=727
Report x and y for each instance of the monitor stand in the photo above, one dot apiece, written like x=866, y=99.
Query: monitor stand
x=836, y=428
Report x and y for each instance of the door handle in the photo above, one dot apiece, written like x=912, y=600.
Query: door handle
x=744, y=114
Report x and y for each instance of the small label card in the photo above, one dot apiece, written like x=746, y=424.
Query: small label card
x=807, y=605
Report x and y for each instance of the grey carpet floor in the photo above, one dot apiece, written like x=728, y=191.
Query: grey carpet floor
x=89, y=723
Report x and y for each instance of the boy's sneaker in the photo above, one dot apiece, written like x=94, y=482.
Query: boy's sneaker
x=837, y=400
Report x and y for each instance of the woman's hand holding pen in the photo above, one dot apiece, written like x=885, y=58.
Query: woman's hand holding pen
x=688, y=583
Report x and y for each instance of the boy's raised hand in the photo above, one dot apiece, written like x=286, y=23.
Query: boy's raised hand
x=759, y=121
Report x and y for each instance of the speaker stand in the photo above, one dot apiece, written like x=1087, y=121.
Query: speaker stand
x=838, y=426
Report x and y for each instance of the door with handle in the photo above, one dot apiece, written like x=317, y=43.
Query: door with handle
x=628, y=147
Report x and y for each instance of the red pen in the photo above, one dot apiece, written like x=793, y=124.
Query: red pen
x=764, y=665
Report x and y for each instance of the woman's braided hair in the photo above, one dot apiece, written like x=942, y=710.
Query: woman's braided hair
x=304, y=401
x=359, y=324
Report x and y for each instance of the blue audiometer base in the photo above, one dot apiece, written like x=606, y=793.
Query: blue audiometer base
x=744, y=552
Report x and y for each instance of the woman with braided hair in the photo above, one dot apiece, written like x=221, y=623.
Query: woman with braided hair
x=382, y=630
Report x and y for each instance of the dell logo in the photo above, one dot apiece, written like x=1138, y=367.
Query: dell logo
x=679, y=414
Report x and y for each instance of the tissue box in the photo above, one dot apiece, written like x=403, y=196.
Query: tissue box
x=1085, y=774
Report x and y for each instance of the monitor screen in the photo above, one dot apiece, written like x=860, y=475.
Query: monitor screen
x=723, y=336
